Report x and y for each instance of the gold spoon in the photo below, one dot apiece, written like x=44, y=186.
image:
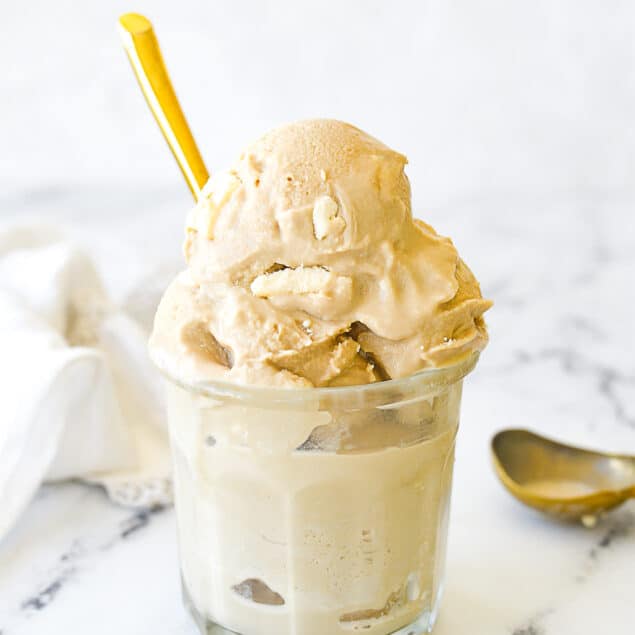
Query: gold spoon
x=561, y=480
x=145, y=56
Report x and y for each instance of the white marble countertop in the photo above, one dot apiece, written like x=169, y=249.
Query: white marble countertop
x=518, y=122
x=560, y=268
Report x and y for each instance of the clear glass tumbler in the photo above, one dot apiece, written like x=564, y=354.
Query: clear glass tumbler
x=315, y=511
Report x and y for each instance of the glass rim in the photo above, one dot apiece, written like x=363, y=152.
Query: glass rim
x=425, y=382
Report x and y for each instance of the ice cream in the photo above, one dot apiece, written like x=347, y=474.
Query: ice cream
x=303, y=511
x=307, y=268
x=309, y=521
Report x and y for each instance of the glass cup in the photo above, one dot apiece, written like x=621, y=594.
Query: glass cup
x=315, y=511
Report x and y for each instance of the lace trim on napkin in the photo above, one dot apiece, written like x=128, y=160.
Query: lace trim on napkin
x=149, y=492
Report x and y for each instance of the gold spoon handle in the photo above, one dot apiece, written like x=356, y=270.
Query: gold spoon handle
x=145, y=56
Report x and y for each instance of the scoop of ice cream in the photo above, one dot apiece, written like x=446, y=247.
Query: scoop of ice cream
x=306, y=267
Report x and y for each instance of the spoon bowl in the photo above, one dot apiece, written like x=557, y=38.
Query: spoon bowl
x=560, y=480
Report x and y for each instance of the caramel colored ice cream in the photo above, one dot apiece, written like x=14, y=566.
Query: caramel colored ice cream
x=307, y=268
x=305, y=512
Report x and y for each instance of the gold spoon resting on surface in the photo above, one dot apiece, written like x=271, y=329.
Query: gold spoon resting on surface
x=560, y=480
x=145, y=56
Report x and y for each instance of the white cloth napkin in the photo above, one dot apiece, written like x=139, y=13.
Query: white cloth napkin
x=79, y=397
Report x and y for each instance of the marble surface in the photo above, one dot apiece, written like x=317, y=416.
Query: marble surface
x=517, y=119
x=559, y=267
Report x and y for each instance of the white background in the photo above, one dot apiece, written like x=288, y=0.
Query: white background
x=485, y=97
